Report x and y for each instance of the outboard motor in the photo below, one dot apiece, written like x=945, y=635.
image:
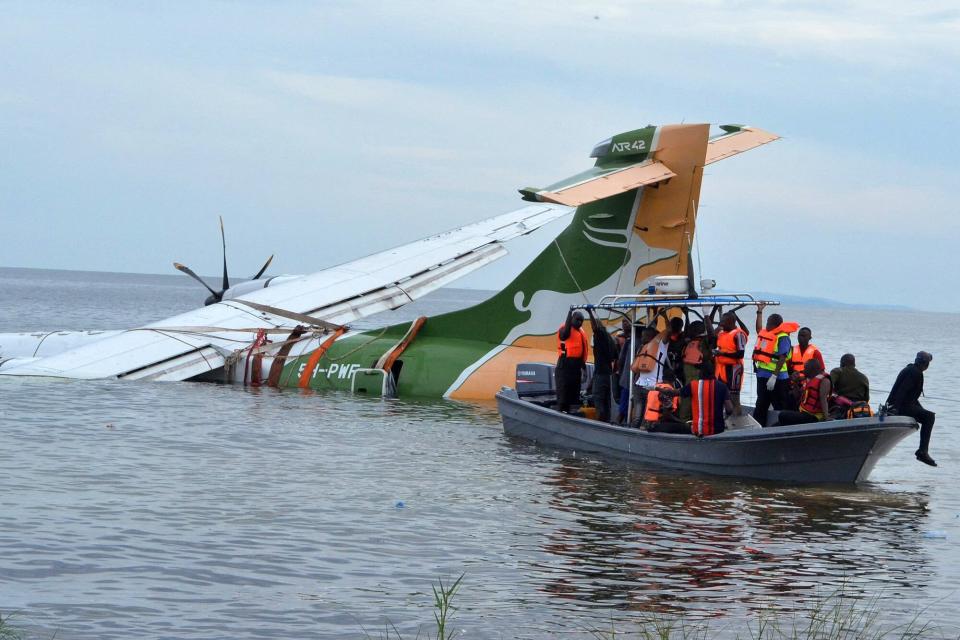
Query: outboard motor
x=536, y=382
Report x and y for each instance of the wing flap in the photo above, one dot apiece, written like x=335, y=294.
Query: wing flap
x=609, y=184
x=739, y=140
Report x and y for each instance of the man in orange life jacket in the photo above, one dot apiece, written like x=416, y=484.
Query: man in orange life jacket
x=731, y=345
x=802, y=352
x=709, y=398
x=572, y=360
x=814, y=401
x=695, y=355
x=648, y=366
x=770, y=355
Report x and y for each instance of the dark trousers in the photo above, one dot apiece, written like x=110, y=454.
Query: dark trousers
x=777, y=398
x=602, y=395
x=925, y=418
x=795, y=417
x=624, y=404
x=568, y=382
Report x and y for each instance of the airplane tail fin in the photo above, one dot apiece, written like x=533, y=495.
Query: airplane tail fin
x=635, y=218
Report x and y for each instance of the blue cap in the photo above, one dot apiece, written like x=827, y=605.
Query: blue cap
x=924, y=356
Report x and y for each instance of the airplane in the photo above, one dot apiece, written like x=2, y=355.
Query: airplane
x=633, y=218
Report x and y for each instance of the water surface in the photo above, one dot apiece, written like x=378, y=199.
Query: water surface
x=180, y=510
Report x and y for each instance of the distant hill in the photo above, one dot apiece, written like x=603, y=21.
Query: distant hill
x=826, y=302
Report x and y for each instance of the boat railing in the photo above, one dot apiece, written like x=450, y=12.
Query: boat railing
x=634, y=300
x=629, y=304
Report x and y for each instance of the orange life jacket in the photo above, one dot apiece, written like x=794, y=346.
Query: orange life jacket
x=646, y=360
x=692, y=353
x=765, y=351
x=810, y=401
x=576, y=343
x=798, y=360
x=703, y=395
x=727, y=343
x=654, y=410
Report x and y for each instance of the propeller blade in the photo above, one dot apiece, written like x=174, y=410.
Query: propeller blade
x=187, y=270
x=223, y=238
x=263, y=268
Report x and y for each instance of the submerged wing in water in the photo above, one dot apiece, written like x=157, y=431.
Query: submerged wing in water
x=193, y=343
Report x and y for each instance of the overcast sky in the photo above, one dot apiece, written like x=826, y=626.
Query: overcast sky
x=324, y=132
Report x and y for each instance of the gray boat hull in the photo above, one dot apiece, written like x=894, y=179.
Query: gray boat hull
x=839, y=451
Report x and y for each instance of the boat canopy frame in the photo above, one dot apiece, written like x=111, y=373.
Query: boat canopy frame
x=657, y=304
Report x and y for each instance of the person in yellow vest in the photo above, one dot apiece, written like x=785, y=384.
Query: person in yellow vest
x=728, y=355
x=815, y=400
x=802, y=352
x=770, y=356
x=571, y=361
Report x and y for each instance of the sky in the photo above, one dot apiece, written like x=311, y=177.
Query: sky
x=323, y=132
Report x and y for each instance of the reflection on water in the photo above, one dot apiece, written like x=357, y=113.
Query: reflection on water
x=640, y=539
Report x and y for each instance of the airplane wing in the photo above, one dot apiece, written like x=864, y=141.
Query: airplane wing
x=175, y=348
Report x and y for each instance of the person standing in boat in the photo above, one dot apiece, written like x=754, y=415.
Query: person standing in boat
x=731, y=345
x=649, y=364
x=815, y=399
x=622, y=371
x=572, y=360
x=695, y=356
x=802, y=352
x=770, y=355
x=904, y=400
x=676, y=342
x=604, y=359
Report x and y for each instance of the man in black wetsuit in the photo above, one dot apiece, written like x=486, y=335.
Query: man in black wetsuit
x=904, y=400
x=605, y=353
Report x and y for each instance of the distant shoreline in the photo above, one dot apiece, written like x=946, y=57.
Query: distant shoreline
x=810, y=301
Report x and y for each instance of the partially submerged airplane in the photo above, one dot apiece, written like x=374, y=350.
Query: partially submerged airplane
x=634, y=216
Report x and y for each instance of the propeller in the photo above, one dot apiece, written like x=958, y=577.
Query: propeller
x=217, y=296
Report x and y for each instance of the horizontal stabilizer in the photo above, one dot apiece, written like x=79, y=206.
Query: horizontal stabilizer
x=608, y=184
x=738, y=139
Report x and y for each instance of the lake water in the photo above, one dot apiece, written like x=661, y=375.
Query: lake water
x=180, y=510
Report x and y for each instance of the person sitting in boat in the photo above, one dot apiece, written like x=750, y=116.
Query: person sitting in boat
x=851, y=389
x=572, y=360
x=648, y=365
x=660, y=410
x=815, y=400
x=728, y=355
x=904, y=400
x=709, y=399
x=604, y=358
x=770, y=355
x=802, y=352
